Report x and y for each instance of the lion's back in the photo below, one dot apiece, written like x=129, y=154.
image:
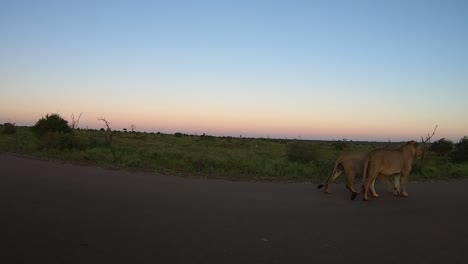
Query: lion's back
x=353, y=162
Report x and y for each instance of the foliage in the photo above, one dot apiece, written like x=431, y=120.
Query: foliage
x=54, y=132
x=211, y=157
x=460, y=154
x=51, y=123
x=301, y=151
x=442, y=147
x=61, y=141
x=340, y=144
x=9, y=128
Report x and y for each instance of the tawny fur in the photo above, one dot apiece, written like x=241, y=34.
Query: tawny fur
x=385, y=162
x=351, y=164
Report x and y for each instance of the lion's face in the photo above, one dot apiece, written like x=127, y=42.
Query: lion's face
x=418, y=150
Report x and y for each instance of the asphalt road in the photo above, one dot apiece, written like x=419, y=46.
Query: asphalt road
x=61, y=213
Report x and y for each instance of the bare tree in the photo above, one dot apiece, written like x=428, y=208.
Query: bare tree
x=75, y=122
x=109, y=130
x=426, y=144
x=132, y=127
x=428, y=137
x=106, y=123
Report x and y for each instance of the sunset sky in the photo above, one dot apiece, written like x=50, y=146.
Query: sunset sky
x=361, y=70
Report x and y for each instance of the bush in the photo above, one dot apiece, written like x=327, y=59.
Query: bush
x=9, y=128
x=340, y=144
x=52, y=123
x=54, y=132
x=460, y=154
x=94, y=142
x=442, y=147
x=299, y=151
x=61, y=141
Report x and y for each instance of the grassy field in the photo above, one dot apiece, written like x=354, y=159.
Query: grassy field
x=211, y=157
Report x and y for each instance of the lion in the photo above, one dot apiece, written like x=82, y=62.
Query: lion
x=385, y=162
x=351, y=164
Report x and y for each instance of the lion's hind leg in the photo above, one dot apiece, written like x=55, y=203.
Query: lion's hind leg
x=364, y=192
x=404, y=182
x=372, y=189
x=365, y=189
x=350, y=184
x=336, y=172
x=331, y=180
x=368, y=184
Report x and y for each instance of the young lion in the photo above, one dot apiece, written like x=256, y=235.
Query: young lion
x=386, y=162
x=351, y=164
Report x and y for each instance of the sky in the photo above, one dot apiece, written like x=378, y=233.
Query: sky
x=359, y=70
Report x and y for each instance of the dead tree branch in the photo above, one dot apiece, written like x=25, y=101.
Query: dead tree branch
x=106, y=123
x=425, y=142
x=75, y=122
x=109, y=130
x=132, y=128
x=429, y=136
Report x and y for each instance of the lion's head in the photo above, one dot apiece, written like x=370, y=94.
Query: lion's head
x=417, y=149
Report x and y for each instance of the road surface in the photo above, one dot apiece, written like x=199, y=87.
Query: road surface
x=61, y=213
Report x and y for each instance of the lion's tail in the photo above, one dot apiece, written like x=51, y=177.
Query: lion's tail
x=320, y=186
x=330, y=178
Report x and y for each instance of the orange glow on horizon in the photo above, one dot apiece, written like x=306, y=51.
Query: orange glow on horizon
x=252, y=125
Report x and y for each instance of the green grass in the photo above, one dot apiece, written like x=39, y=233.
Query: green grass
x=213, y=157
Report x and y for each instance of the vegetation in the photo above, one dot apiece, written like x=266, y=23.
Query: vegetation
x=303, y=152
x=208, y=156
x=442, y=147
x=52, y=123
x=54, y=132
x=460, y=154
x=340, y=144
x=9, y=128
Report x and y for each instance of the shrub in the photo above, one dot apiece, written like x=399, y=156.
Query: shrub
x=340, y=144
x=61, y=141
x=207, y=137
x=460, y=154
x=299, y=151
x=54, y=132
x=442, y=147
x=178, y=134
x=94, y=142
x=52, y=123
x=9, y=128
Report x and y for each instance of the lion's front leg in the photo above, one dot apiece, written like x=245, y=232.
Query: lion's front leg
x=396, y=188
x=404, y=181
x=350, y=184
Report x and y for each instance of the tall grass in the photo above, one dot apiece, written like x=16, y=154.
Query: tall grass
x=207, y=156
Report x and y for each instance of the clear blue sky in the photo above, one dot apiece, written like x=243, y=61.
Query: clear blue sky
x=372, y=70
